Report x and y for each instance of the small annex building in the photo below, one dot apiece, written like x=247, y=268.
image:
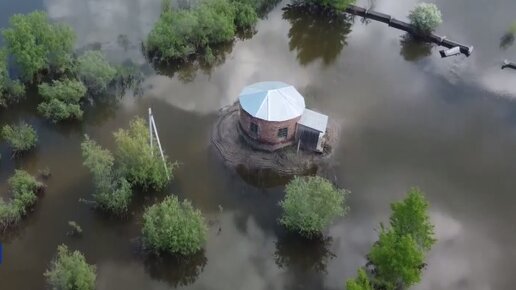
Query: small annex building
x=273, y=116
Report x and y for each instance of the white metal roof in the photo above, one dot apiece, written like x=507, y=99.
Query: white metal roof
x=314, y=120
x=272, y=101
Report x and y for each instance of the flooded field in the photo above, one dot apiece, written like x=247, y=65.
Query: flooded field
x=408, y=118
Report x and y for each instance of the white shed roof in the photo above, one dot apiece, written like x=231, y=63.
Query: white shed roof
x=272, y=101
x=314, y=120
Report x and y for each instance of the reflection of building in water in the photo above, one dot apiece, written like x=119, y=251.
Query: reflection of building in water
x=273, y=116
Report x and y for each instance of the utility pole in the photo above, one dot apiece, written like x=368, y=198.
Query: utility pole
x=153, y=131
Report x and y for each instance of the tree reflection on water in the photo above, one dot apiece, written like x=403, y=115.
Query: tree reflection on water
x=316, y=34
x=413, y=49
x=176, y=270
x=296, y=252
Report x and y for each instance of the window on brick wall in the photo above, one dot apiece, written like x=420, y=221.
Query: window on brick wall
x=282, y=133
x=254, y=128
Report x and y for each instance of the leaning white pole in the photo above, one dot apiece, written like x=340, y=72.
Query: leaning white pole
x=159, y=146
x=150, y=131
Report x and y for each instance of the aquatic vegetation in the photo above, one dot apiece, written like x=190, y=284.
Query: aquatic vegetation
x=95, y=71
x=23, y=188
x=179, y=34
x=70, y=271
x=310, y=205
x=112, y=192
x=425, y=17
x=76, y=229
x=21, y=137
x=38, y=44
x=174, y=227
x=61, y=100
x=137, y=161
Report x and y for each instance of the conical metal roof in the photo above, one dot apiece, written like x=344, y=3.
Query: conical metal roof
x=272, y=101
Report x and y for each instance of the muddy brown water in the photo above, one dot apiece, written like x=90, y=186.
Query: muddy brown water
x=409, y=118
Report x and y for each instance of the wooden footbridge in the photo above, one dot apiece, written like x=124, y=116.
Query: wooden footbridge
x=401, y=25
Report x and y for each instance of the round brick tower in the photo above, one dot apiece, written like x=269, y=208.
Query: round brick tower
x=269, y=112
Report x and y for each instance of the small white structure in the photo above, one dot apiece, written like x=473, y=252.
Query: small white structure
x=311, y=130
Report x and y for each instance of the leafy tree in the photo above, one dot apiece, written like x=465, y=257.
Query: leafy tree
x=37, y=44
x=425, y=17
x=179, y=34
x=245, y=13
x=62, y=100
x=310, y=204
x=23, y=188
x=10, y=91
x=410, y=217
x=361, y=282
x=138, y=162
x=397, y=261
x=174, y=227
x=333, y=4
x=70, y=271
x=112, y=193
x=95, y=71
x=21, y=137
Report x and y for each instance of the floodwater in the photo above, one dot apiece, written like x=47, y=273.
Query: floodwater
x=408, y=118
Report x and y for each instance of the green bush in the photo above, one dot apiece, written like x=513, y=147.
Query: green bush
x=410, y=217
x=310, y=204
x=23, y=188
x=70, y=271
x=361, y=282
x=21, y=137
x=173, y=227
x=140, y=164
x=112, y=193
x=425, y=17
x=37, y=44
x=95, y=71
x=61, y=100
x=397, y=260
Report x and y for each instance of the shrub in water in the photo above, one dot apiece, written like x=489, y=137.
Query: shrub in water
x=70, y=271
x=310, y=204
x=61, y=100
x=21, y=137
x=95, y=71
x=425, y=17
x=174, y=227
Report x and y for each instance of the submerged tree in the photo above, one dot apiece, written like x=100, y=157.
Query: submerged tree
x=361, y=282
x=174, y=227
x=410, y=217
x=112, y=193
x=38, y=44
x=425, y=17
x=137, y=161
x=62, y=100
x=310, y=205
x=10, y=90
x=95, y=71
x=340, y=5
x=21, y=137
x=23, y=187
x=70, y=271
x=397, y=260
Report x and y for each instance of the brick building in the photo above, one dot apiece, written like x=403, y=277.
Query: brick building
x=270, y=113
